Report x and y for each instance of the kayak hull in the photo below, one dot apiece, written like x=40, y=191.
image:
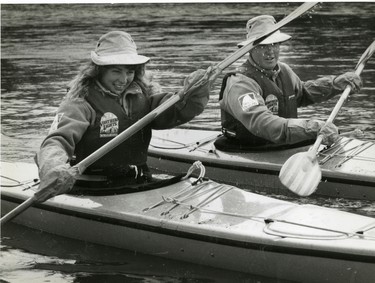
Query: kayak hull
x=254, y=259
x=354, y=178
x=234, y=230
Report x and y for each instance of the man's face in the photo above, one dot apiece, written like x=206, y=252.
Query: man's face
x=266, y=55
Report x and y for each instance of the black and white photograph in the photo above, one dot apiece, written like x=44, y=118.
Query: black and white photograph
x=187, y=141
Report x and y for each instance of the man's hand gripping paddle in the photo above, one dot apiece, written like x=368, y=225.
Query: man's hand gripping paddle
x=301, y=172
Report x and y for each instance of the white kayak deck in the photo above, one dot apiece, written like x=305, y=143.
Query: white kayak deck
x=208, y=223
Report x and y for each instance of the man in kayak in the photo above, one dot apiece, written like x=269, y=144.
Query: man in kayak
x=259, y=102
x=109, y=94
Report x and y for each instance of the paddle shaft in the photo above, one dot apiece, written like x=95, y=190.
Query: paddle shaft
x=174, y=99
x=301, y=173
x=81, y=166
x=338, y=106
x=19, y=209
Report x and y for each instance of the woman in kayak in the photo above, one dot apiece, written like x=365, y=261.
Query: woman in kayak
x=259, y=102
x=110, y=94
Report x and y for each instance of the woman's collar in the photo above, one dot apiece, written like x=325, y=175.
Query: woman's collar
x=104, y=90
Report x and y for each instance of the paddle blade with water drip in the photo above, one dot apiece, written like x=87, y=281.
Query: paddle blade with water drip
x=309, y=174
x=301, y=172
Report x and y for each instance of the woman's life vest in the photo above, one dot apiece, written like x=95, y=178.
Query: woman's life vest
x=111, y=120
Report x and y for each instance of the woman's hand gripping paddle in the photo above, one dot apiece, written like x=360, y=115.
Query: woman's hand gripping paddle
x=212, y=73
x=301, y=172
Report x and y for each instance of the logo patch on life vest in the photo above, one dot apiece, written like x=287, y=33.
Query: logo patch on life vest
x=109, y=125
x=247, y=101
x=272, y=104
x=55, y=123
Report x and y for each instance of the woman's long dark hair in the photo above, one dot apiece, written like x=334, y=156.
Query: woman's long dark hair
x=79, y=86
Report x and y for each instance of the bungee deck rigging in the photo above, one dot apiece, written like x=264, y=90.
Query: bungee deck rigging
x=346, y=154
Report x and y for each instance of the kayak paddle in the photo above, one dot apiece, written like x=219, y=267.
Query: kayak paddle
x=210, y=76
x=301, y=173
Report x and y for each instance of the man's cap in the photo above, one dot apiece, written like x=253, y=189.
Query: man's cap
x=259, y=25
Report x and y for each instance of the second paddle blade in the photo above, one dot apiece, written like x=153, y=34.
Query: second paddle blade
x=301, y=173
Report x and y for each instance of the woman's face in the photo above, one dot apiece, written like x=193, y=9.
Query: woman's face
x=117, y=78
x=266, y=55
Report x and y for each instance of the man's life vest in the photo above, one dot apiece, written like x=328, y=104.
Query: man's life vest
x=278, y=95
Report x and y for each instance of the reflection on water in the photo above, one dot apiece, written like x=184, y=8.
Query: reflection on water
x=42, y=47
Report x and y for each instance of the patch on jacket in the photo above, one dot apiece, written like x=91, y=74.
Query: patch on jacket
x=109, y=125
x=248, y=100
x=272, y=103
x=55, y=123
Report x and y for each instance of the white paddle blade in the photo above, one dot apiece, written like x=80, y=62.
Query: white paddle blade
x=301, y=173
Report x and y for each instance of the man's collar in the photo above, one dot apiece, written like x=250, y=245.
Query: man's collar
x=272, y=74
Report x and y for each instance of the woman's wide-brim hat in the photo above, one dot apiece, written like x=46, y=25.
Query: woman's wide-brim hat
x=257, y=26
x=117, y=48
